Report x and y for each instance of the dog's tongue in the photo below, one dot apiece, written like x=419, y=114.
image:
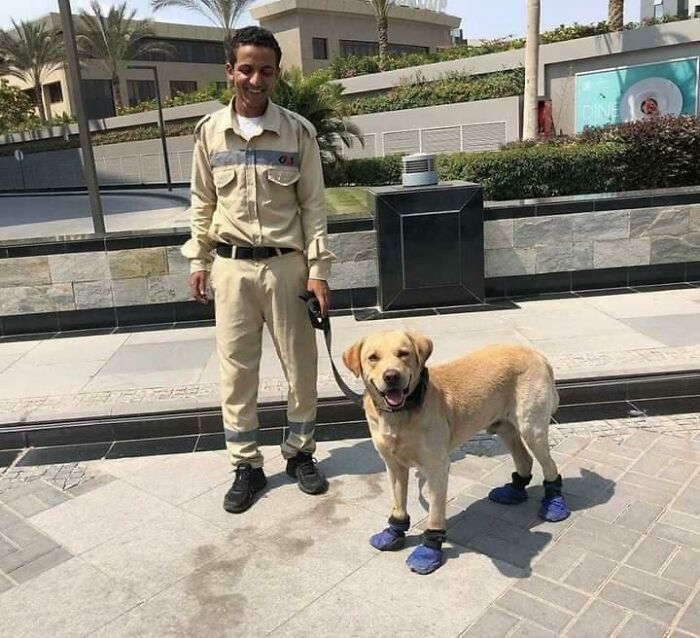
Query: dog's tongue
x=394, y=397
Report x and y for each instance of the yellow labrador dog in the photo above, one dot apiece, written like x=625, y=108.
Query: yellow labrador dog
x=417, y=417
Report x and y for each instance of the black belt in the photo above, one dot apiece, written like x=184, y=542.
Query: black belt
x=250, y=252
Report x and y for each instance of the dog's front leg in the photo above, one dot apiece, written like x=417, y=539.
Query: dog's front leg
x=428, y=556
x=394, y=537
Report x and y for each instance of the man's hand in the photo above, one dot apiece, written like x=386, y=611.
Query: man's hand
x=323, y=293
x=198, y=285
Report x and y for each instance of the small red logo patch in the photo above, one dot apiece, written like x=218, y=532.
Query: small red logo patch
x=287, y=160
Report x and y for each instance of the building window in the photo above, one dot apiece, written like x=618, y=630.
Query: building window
x=140, y=91
x=55, y=92
x=221, y=86
x=179, y=87
x=363, y=49
x=320, y=47
x=193, y=51
x=31, y=95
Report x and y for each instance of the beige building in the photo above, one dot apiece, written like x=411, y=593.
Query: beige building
x=313, y=32
x=198, y=61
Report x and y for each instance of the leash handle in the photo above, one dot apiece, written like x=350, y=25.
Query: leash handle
x=319, y=322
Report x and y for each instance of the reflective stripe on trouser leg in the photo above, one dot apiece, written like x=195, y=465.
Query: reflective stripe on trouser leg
x=239, y=320
x=295, y=340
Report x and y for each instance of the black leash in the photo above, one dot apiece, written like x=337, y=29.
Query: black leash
x=323, y=324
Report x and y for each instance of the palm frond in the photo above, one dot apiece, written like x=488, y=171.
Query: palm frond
x=222, y=13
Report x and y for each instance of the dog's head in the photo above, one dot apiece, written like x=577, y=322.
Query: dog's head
x=390, y=364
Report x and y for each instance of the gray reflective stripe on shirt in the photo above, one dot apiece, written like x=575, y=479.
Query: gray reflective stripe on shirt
x=241, y=436
x=302, y=428
x=258, y=156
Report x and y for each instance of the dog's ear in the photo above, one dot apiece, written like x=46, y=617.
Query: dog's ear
x=423, y=345
x=351, y=358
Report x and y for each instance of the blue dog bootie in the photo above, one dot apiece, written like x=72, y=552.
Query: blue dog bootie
x=428, y=556
x=553, y=508
x=511, y=493
x=393, y=537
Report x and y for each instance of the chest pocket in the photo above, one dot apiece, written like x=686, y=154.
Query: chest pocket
x=283, y=176
x=224, y=179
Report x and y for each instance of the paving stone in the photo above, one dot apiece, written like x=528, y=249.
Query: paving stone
x=140, y=262
x=493, y=624
x=40, y=565
x=528, y=630
x=573, y=445
x=660, y=587
x=7, y=518
x=639, y=602
x=651, y=554
x=601, y=538
x=675, y=249
x=682, y=520
x=78, y=267
x=26, y=554
x=683, y=567
x=504, y=262
x=677, y=471
x=690, y=620
x=647, y=494
x=651, y=482
x=676, y=535
x=621, y=252
x=639, y=516
x=638, y=627
x=27, y=506
x=539, y=231
x=688, y=501
x=549, y=591
x=600, y=619
x=590, y=573
x=535, y=610
x=5, y=583
x=558, y=559
x=564, y=258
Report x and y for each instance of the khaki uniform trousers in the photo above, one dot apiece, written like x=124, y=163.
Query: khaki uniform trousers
x=248, y=293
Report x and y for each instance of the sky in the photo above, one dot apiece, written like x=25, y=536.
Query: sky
x=498, y=18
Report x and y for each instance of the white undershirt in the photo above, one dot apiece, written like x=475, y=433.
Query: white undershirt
x=250, y=126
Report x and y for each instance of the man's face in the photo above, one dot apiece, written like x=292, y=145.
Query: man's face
x=254, y=75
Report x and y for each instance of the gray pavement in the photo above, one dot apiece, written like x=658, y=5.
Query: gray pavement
x=125, y=373
x=59, y=214
x=142, y=547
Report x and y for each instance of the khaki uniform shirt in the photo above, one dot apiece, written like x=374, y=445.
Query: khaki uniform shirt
x=266, y=191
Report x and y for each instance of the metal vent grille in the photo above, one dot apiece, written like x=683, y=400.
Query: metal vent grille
x=441, y=140
x=483, y=137
x=418, y=164
x=356, y=149
x=402, y=142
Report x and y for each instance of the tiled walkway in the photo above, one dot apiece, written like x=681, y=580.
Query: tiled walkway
x=143, y=548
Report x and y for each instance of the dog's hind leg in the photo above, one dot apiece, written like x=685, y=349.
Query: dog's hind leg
x=393, y=537
x=514, y=492
x=428, y=556
x=534, y=427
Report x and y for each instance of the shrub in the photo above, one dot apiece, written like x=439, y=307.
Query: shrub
x=353, y=66
x=659, y=153
x=371, y=171
x=452, y=89
x=181, y=99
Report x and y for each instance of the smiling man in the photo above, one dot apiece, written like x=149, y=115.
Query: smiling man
x=258, y=205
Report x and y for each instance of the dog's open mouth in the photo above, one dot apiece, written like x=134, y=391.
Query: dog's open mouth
x=395, y=398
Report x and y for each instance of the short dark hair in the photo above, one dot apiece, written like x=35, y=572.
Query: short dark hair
x=256, y=36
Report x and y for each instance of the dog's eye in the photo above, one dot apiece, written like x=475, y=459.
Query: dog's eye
x=403, y=354
x=373, y=358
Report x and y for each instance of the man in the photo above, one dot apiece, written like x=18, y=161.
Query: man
x=258, y=202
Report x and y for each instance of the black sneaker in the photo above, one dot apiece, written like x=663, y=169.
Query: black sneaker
x=248, y=483
x=302, y=467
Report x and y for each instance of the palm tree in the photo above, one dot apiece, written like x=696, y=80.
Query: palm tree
x=320, y=102
x=532, y=62
x=110, y=39
x=222, y=13
x=616, y=14
x=30, y=53
x=381, y=12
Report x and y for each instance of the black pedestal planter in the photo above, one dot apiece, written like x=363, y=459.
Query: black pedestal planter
x=430, y=245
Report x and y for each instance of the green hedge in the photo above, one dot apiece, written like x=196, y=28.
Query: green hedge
x=542, y=171
x=352, y=66
x=452, y=89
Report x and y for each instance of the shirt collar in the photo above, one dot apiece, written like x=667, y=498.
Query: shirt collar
x=271, y=119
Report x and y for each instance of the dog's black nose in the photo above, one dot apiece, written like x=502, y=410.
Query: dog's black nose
x=392, y=377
